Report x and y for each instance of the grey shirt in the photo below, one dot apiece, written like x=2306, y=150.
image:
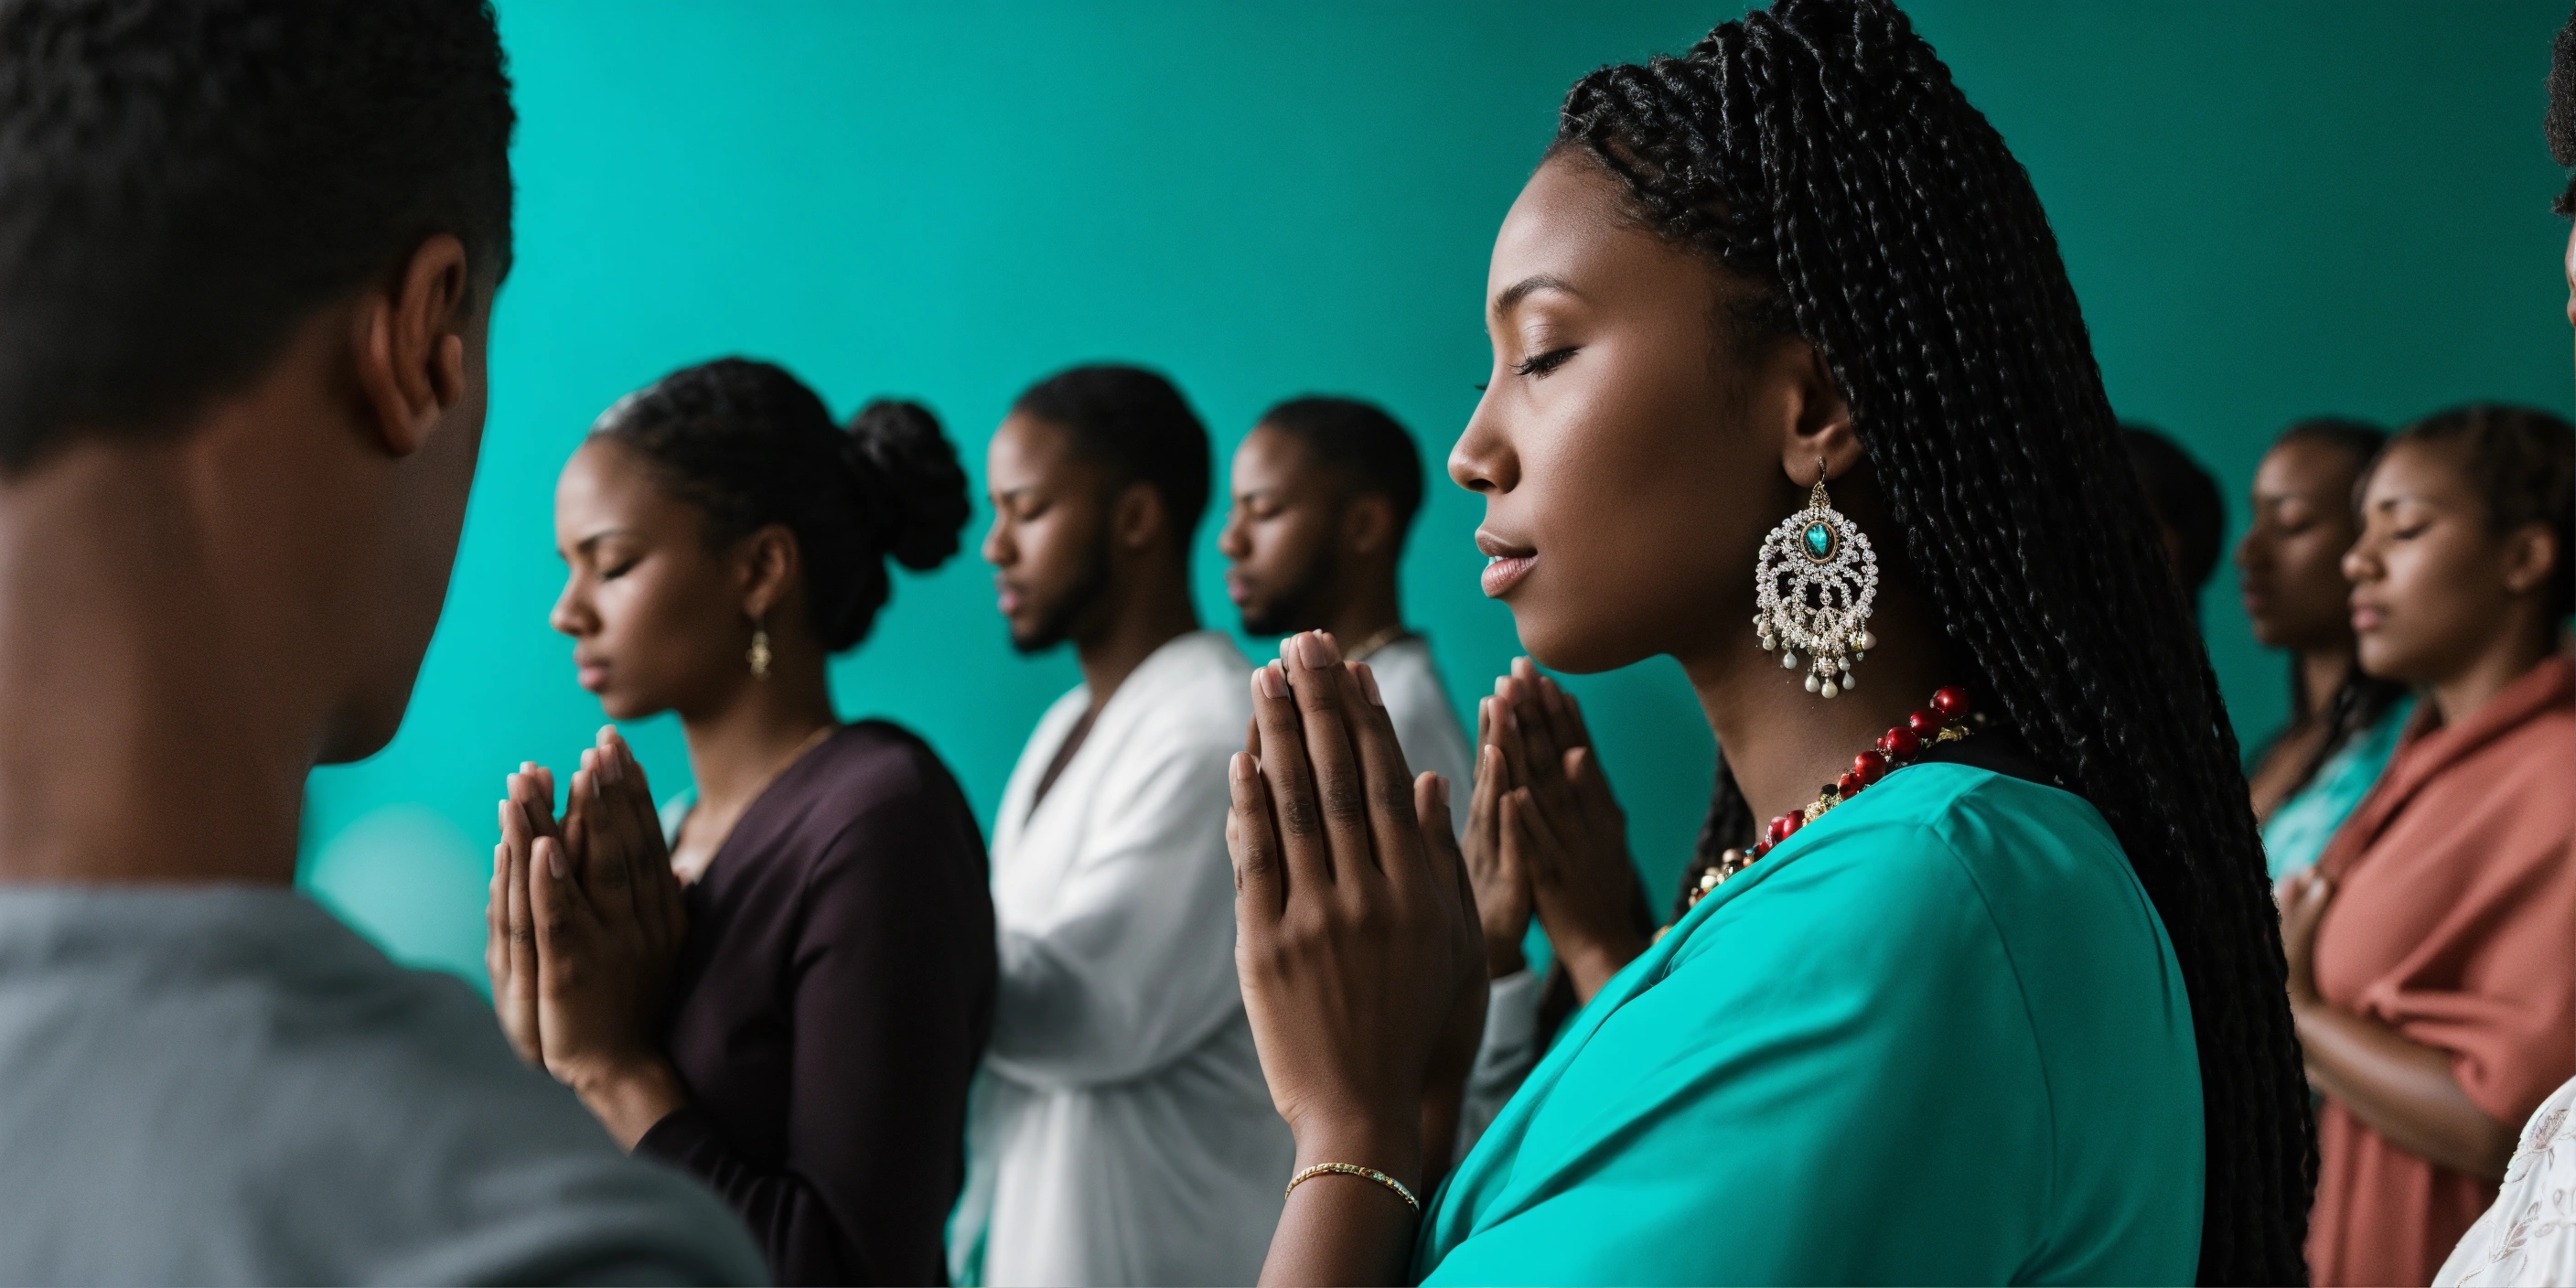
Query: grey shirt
x=222, y=1084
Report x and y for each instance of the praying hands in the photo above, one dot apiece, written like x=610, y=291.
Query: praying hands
x=582, y=930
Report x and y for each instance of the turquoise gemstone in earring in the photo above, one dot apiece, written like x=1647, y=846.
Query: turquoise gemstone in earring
x=1820, y=541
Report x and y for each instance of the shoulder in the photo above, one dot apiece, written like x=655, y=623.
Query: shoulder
x=1194, y=696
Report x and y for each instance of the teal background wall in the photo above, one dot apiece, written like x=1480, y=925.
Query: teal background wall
x=2269, y=210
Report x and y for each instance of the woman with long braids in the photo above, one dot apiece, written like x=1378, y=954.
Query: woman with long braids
x=2343, y=721
x=2004, y=1001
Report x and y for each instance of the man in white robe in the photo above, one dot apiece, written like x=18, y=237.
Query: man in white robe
x=1121, y=1131
x=1324, y=492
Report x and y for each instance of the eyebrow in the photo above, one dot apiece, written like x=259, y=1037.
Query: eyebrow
x=1527, y=286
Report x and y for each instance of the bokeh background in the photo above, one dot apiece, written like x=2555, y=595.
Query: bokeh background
x=2269, y=210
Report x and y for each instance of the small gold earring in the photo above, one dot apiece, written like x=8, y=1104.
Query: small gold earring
x=759, y=655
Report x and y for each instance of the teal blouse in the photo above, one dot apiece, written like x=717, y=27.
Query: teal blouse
x=1938, y=1036
x=2299, y=827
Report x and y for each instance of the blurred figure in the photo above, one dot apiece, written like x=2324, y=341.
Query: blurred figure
x=2184, y=500
x=1122, y=1132
x=806, y=1047
x=2343, y=723
x=1324, y=492
x=2528, y=1235
x=2432, y=971
x=248, y=253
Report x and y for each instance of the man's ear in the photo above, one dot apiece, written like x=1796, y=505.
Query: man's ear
x=1820, y=425
x=764, y=566
x=1137, y=518
x=1368, y=523
x=409, y=343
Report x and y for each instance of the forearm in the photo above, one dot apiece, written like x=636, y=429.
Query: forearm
x=2401, y=1089
x=1342, y=1229
x=1592, y=958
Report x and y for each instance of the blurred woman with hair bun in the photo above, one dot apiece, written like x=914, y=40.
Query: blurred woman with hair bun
x=789, y=997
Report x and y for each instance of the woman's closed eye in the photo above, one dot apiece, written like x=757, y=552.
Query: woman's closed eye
x=1541, y=364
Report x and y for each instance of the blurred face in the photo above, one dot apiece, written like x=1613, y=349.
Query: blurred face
x=655, y=617
x=2429, y=580
x=1279, y=538
x=2291, y=559
x=1625, y=489
x=1049, y=545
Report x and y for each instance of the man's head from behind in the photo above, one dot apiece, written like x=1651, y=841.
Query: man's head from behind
x=247, y=256
x=1324, y=492
x=1098, y=478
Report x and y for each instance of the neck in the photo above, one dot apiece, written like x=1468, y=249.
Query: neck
x=1785, y=743
x=2509, y=654
x=738, y=747
x=160, y=703
x=1156, y=613
x=2323, y=671
x=1371, y=611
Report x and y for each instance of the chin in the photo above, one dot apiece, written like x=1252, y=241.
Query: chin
x=361, y=730
x=1574, y=642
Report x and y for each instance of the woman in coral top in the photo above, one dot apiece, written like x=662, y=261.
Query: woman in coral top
x=2433, y=947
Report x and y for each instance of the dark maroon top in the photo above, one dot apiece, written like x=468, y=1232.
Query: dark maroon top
x=828, y=1009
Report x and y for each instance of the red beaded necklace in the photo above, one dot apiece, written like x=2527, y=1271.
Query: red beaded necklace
x=1948, y=719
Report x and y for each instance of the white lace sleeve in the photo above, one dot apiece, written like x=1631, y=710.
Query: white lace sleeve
x=2529, y=1235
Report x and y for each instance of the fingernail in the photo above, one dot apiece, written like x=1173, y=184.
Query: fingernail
x=555, y=860
x=1332, y=647
x=1502, y=686
x=1268, y=680
x=1441, y=785
x=1240, y=766
x=1310, y=652
x=1368, y=683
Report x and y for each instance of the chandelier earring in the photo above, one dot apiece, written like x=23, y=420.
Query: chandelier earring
x=1814, y=582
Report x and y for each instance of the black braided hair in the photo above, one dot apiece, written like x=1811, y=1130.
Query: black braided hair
x=2558, y=124
x=750, y=445
x=1819, y=151
x=2361, y=699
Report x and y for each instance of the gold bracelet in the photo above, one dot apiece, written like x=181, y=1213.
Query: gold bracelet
x=1354, y=1169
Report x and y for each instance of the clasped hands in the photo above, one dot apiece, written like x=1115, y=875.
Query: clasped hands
x=1545, y=836
x=1359, y=939
x=582, y=929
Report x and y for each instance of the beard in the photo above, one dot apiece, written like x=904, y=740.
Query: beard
x=1299, y=606
x=1058, y=619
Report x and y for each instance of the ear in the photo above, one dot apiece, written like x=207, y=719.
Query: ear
x=408, y=340
x=2531, y=558
x=1820, y=420
x=1137, y=518
x=765, y=564
x=1368, y=523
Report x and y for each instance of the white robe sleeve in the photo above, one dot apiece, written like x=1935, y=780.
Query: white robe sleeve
x=1509, y=1050
x=1134, y=965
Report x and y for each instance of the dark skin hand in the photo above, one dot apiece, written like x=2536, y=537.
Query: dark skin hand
x=2400, y=1088
x=585, y=923
x=1359, y=949
x=1563, y=827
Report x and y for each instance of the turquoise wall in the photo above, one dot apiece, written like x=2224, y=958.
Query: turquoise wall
x=2270, y=210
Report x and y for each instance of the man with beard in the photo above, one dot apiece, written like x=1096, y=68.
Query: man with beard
x=1325, y=490
x=1122, y=1132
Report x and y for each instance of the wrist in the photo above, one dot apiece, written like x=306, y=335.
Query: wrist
x=1503, y=957
x=627, y=1096
x=1592, y=961
x=1389, y=1143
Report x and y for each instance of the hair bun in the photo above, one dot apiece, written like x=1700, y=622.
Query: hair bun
x=910, y=484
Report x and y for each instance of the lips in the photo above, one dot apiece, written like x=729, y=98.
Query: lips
x=590, y=673
x=1507, y=563
x=1238, y=589
x=1007, y=597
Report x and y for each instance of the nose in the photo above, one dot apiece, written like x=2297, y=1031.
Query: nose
x=997, y=544
x=1234, y=540
x=1482, y=460
x=2246, y=552
x=2360, y=564
x=572, y=614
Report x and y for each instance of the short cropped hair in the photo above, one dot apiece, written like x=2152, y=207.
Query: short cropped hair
x=2185, y=498
x=2521, y=464
x=1134, y=424
x=1360, y=440
x=183, y=181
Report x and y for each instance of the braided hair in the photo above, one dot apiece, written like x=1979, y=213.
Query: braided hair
x=750, y=445
x=1819, y=152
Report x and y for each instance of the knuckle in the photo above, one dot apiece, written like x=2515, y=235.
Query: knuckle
x=1297, y=816
x=1345, y=802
